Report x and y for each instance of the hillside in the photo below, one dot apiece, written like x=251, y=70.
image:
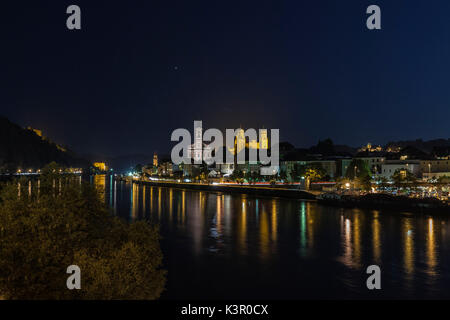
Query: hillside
x=425, y=146
x=24, y=149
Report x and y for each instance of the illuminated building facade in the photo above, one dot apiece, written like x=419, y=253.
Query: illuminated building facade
x=373, y=163
x=370, y=148
x=389, y=167
x=101, y=166
x=434, y=168
x=36, y=131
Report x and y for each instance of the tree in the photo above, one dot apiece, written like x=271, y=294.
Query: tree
x=204, y=172
x=138, y=168
x=401, y=176
x=196, y=172
x=444, y=179
x=324, y=147
x=410, y=177
x=364, y=182
x=251, y=177
x=296, y=172
x=383, y=182
x=238, y=176
x=397, y=177
x=283, y=176
x=254, y=177
x=358, y=169
x=62, y=223
x=314, y=172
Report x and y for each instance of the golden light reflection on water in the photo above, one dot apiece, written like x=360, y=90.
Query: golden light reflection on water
x=100, y=185
x=255, y=226
x=135, y=201
x=170, y=204
x=376, y=243
x=274, y=220
x=159, y=203
x=151, y=199
x=357, y=239
x=431, y=248
x=243, y=226
x=143, y=199
x=219, y=214
x=196, y=222
x=115, y=196
x=408, y=246
x=227, y=212
x=264, y=233
x=351, y=238
x=347, y=241
x=183, y=206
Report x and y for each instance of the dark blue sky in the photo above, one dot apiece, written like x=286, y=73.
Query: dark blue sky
x=140, y=69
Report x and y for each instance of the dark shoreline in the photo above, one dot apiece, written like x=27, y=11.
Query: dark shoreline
x=390, y=203
x=371, y=201
x=249, y=190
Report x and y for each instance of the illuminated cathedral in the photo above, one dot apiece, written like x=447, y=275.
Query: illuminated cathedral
x=240, y=142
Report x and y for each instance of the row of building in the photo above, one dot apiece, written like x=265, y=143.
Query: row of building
x=381, y=163
x=379, y=166
x=334, y=168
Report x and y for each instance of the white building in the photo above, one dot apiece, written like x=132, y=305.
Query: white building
x=373, y=163
x=389, y=167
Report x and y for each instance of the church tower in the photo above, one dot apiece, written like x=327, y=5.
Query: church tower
x=155, y=160
x=264, y=143
x=240, y=140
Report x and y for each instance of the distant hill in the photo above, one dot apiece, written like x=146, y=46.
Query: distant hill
x=425, y=146
x=25, y=149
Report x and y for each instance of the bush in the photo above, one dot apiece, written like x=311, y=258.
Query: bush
x=63, y=222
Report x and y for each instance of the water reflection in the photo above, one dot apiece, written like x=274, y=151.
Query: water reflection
x=357, y=238
x=242, y=226
x=303, y=227
x=274, y=220
x=100, y=184
x=264, y=234
x=293, y=243
x=376, y=242
x=408, y=250
x=431, y=248
x=347, y=244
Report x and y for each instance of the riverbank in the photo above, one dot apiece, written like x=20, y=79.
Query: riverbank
x=368, y=201
x=379, y=201
x=250, y=190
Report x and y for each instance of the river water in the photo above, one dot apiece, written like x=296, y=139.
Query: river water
x=222, y=246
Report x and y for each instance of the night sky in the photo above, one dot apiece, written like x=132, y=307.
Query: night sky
x=140, y=69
